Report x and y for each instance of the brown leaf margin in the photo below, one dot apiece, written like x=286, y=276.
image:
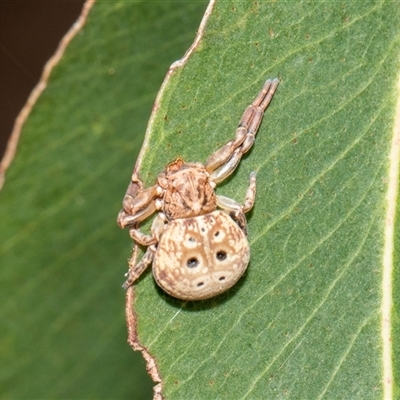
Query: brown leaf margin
x=172, y=69
x=130, y=313
x=13, y=141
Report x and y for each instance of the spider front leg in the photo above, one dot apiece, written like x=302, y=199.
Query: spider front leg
x=225, y=160
x=138, y=203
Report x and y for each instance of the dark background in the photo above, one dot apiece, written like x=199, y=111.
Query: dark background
x=29, y=35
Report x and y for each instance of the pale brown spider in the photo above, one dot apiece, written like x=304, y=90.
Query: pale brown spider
x=198, y=242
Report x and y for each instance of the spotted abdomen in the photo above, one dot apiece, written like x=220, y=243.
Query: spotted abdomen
x=201, y=257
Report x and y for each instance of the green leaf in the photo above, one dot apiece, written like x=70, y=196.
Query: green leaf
x=307, y=319
x=63, y=256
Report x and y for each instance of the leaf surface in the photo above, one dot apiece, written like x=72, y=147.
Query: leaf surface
x=306, y=319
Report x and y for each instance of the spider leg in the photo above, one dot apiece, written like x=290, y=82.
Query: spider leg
x=250, y=194
x=138, y=203
x=157, y=229
x=225, y=160
x=236, y=210
x=135, y=270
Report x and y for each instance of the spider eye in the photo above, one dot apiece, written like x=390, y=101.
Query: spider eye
x=221, y=255
x=192, y=262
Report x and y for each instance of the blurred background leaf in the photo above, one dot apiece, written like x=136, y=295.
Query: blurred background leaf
x=62, y=255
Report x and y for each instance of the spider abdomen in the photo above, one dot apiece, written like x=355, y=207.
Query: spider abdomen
x=201, y=257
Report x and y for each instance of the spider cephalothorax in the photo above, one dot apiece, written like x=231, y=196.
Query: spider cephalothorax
x=189, y=191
